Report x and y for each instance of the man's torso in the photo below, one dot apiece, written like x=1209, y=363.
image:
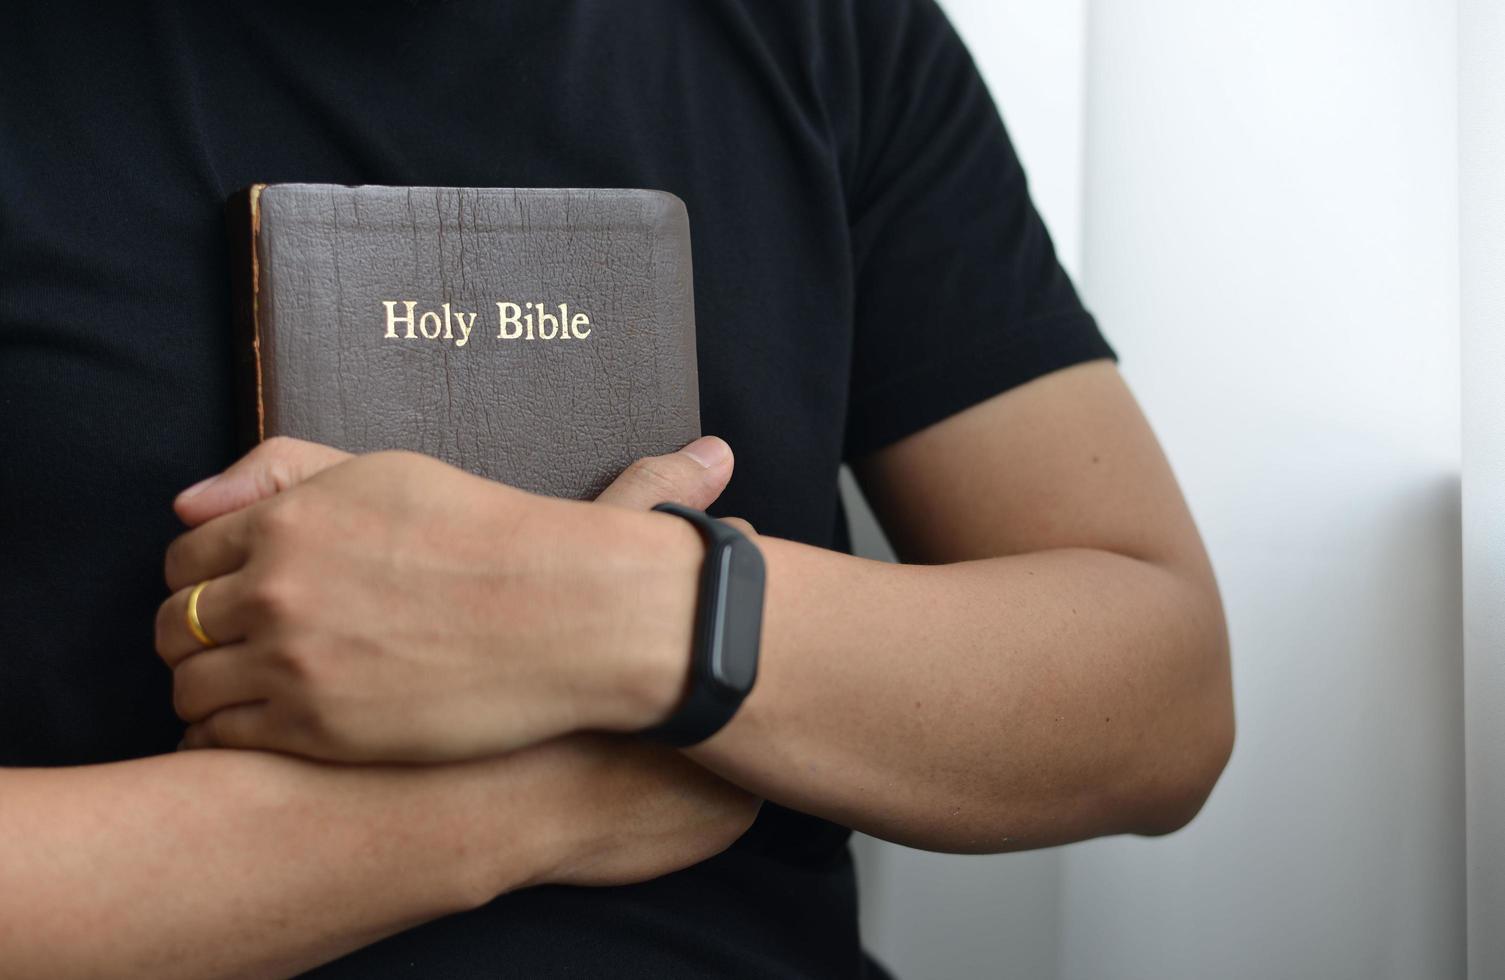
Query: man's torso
x=122, y=129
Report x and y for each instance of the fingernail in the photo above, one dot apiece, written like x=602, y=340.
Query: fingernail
x=708, y=451
x=198, y=487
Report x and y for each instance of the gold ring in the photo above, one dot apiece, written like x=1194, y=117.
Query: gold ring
x=195, y=625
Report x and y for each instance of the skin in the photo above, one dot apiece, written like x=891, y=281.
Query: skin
x=247, y=864
x=1054, y=668
x=392, y=608
x=1051, y=665
x=250, y=864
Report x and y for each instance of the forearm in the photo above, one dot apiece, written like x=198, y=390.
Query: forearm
x=985, y=705
x=226, y=863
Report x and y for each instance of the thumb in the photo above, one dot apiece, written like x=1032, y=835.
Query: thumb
x=693, y=477
x=272, y=467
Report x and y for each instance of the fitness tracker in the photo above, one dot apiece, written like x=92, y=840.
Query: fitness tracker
x=727, y=633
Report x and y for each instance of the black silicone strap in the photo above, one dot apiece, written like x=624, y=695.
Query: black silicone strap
x=727, y=633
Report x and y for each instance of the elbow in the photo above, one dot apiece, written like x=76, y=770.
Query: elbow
x=1174, y=791
x=1192, y=740
x=1197, y=735
x=1177, y=803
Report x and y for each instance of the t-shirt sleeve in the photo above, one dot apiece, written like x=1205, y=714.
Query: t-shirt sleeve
x=958, y=292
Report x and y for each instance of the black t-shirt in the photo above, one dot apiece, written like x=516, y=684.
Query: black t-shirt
x=867, y=262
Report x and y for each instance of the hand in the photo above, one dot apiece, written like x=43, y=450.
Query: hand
x=391, y=608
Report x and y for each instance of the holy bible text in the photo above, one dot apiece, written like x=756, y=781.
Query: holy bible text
x=514, y=321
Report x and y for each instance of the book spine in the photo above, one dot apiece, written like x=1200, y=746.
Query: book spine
x=243, y=225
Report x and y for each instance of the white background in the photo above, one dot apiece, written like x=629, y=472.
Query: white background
x=1481, y=114
x=1261, y=204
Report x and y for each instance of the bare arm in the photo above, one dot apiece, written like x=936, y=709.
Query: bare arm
x=1053, y=666
x=246, y=864
x=237, y=863
x=1059, y=672
x=250, y=864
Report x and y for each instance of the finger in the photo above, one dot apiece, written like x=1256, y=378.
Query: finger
x=270, y=468
x=217, y=679
x=740, y=525
x=208, y=551
x=241, y=726
x=222, y=614
x=694, y=477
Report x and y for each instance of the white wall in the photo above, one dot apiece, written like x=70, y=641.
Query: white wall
x=1482, y=238
x=1271, y=241
x=1269, y=236
x=1033, y=57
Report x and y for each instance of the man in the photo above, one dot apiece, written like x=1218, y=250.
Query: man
x=407, y=748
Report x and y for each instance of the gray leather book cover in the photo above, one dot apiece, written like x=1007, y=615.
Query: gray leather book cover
x=541, y=337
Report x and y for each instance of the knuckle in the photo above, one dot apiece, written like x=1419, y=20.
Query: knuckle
x=272, y=597
x=278, y=518
x=276, y=476
x=270, y=464
x=283, y=461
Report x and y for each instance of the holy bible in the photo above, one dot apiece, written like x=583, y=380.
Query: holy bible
x=544, y=338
